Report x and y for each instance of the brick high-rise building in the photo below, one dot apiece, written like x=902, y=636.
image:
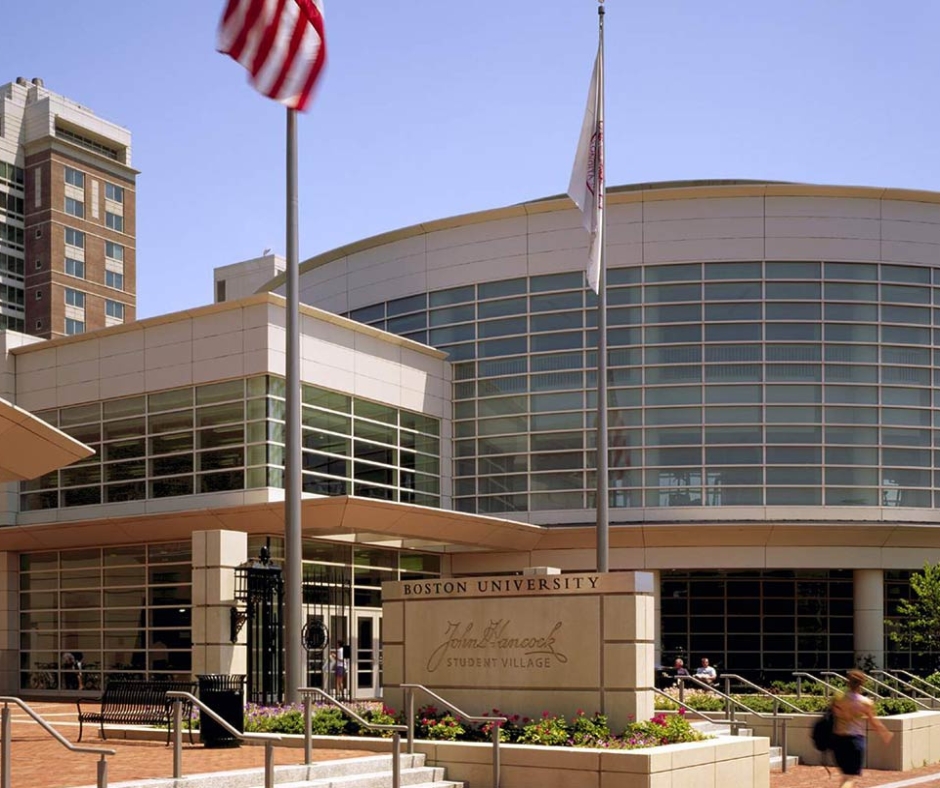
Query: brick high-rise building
x=67, y=215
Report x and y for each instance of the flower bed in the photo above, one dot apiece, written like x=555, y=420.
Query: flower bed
x=434, y=724
x=703, y=700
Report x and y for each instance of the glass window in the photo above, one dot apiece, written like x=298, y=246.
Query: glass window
x=793, y=311
x=666, y=293
x=792, y=332
x=454, y=295
x=75, y=207
x=838, y=291
x=674, y=273
x=656, y=335
x=75, y=268
x=113, y=221
x=859, y=313
x=730, y=332
x=733, y=270
x=505, y=287
x=837, y=332
x=74, y=177
x=74, y=298
x=114, y=309
x=681, y=313
x=74, y=237
x=112, y=192
x=115, y=280
x=854, y=271
x=732, y=394
x=73, y=326
x=114, y=251
x=565, y=281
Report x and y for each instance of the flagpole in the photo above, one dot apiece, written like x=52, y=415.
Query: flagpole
x=293, y=556
x=602, y=495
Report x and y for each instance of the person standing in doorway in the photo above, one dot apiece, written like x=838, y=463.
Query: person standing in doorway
x=339, y=668
x=851, y=713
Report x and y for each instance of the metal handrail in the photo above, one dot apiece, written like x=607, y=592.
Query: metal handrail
x=904, y=683
x=177, y=697
x=731, y=703
x=396, y=730
x=7, y=739
x=934, y=692
x=777, y=699
x=735, y=725
x=869, y=690
x=800, y=675
x=895, y=692
x=495, y=731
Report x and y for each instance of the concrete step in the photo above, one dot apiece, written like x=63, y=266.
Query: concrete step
x=373, y=771
x=776, y=759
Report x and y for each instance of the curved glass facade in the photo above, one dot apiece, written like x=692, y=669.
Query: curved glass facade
x=745, y=384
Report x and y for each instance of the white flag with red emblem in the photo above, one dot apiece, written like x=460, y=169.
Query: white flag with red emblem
x=587, y=177
x=280, y=42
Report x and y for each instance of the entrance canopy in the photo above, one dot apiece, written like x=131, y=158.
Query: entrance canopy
x=345, y=518
x=29, y=447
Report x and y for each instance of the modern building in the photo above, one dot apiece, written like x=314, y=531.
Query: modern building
x=772, y=407
x=67, y=215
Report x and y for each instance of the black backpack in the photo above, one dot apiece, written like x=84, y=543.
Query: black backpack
x=822, y=731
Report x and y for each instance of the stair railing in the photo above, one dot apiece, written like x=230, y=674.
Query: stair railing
x=932, y=694
x=893, y=690
x=873, y=693
x=308, y=692
x=7, y=741
x=177, y=698
x=727, y=677
x=778, y=723
x=800, y=675
x=495, y=728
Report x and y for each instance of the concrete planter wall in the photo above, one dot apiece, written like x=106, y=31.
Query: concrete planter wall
x=714, y=763
x=916, y=740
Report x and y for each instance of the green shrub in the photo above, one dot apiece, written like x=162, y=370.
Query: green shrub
x=661, y=729
x=550, y=731
x=589, y=731
x=887, y=707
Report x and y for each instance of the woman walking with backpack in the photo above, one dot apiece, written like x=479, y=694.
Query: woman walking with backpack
x=852, y=712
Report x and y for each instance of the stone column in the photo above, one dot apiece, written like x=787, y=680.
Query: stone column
x=9, y=623
x=869, y=605
x=657, y=618
x=215, y=556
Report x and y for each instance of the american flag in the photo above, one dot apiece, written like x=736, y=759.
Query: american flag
x=280, y=42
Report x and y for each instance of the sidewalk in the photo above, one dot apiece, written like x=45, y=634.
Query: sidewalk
x=816, y=777
x=39, y=761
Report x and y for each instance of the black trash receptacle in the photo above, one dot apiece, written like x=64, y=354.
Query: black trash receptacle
x=225, y=696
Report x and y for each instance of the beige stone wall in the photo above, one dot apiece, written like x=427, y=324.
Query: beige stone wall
x=524, y=644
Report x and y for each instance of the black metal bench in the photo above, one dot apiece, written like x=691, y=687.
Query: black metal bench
x=136, y=703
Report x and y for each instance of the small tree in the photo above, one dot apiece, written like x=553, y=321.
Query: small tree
x=918, y=627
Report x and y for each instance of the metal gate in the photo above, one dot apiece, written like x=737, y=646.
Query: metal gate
x=327, y=593
x=259, y=588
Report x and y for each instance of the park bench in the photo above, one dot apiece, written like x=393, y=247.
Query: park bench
x=136, y=703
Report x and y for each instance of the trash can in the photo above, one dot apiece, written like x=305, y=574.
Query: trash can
x=225, y=696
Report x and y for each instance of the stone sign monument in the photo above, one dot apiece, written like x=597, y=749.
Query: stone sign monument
x=525, y=644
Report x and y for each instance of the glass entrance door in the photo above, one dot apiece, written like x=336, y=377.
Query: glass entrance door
x=367, y=655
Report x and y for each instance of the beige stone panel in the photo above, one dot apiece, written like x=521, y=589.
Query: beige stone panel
x=199, y=620
x=698, y=753
x=628, y=665
x=561, y=220
x=200, y=583
x=551, y=262
x=484, y=251
x=927, y=233
x=78, y=372
x=393, y=623
x=909, y=252
x=705, y=249
x=225, y=659
x=625, y=617
x=623, y=255
x=394, y=250
x=908, y=211
x=226, y=548
x=512, y=775
x=168, y=377
x=823, y=206
x=819, y=557
x=393, y=662
x=690, y=558
x=77, y=352
x=721, y=208
x=733, y=772
x=173, y=333
x=822, y=248
x=218, y=346
x=695, y=229
x=121, y=343
x=823, y=227
x=121, y=364
x=218, y=626
x=43, y=378
x=34, y=360
x=319, y=374
x=557, y=239
x=567, y=658
x=213, y=369
x=220, y=587
x=469, y=273
x=624, y=234
x=168, y=355
x=78, y=392
x=624, y=706
x=223, y=322
x=469, y=234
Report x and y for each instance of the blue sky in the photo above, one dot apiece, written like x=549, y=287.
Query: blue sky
x=431, y=109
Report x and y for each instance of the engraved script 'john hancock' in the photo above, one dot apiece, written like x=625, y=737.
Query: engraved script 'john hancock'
x=496, y=647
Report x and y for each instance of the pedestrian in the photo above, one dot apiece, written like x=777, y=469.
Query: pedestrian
x=339, y=668
x=851, y=712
